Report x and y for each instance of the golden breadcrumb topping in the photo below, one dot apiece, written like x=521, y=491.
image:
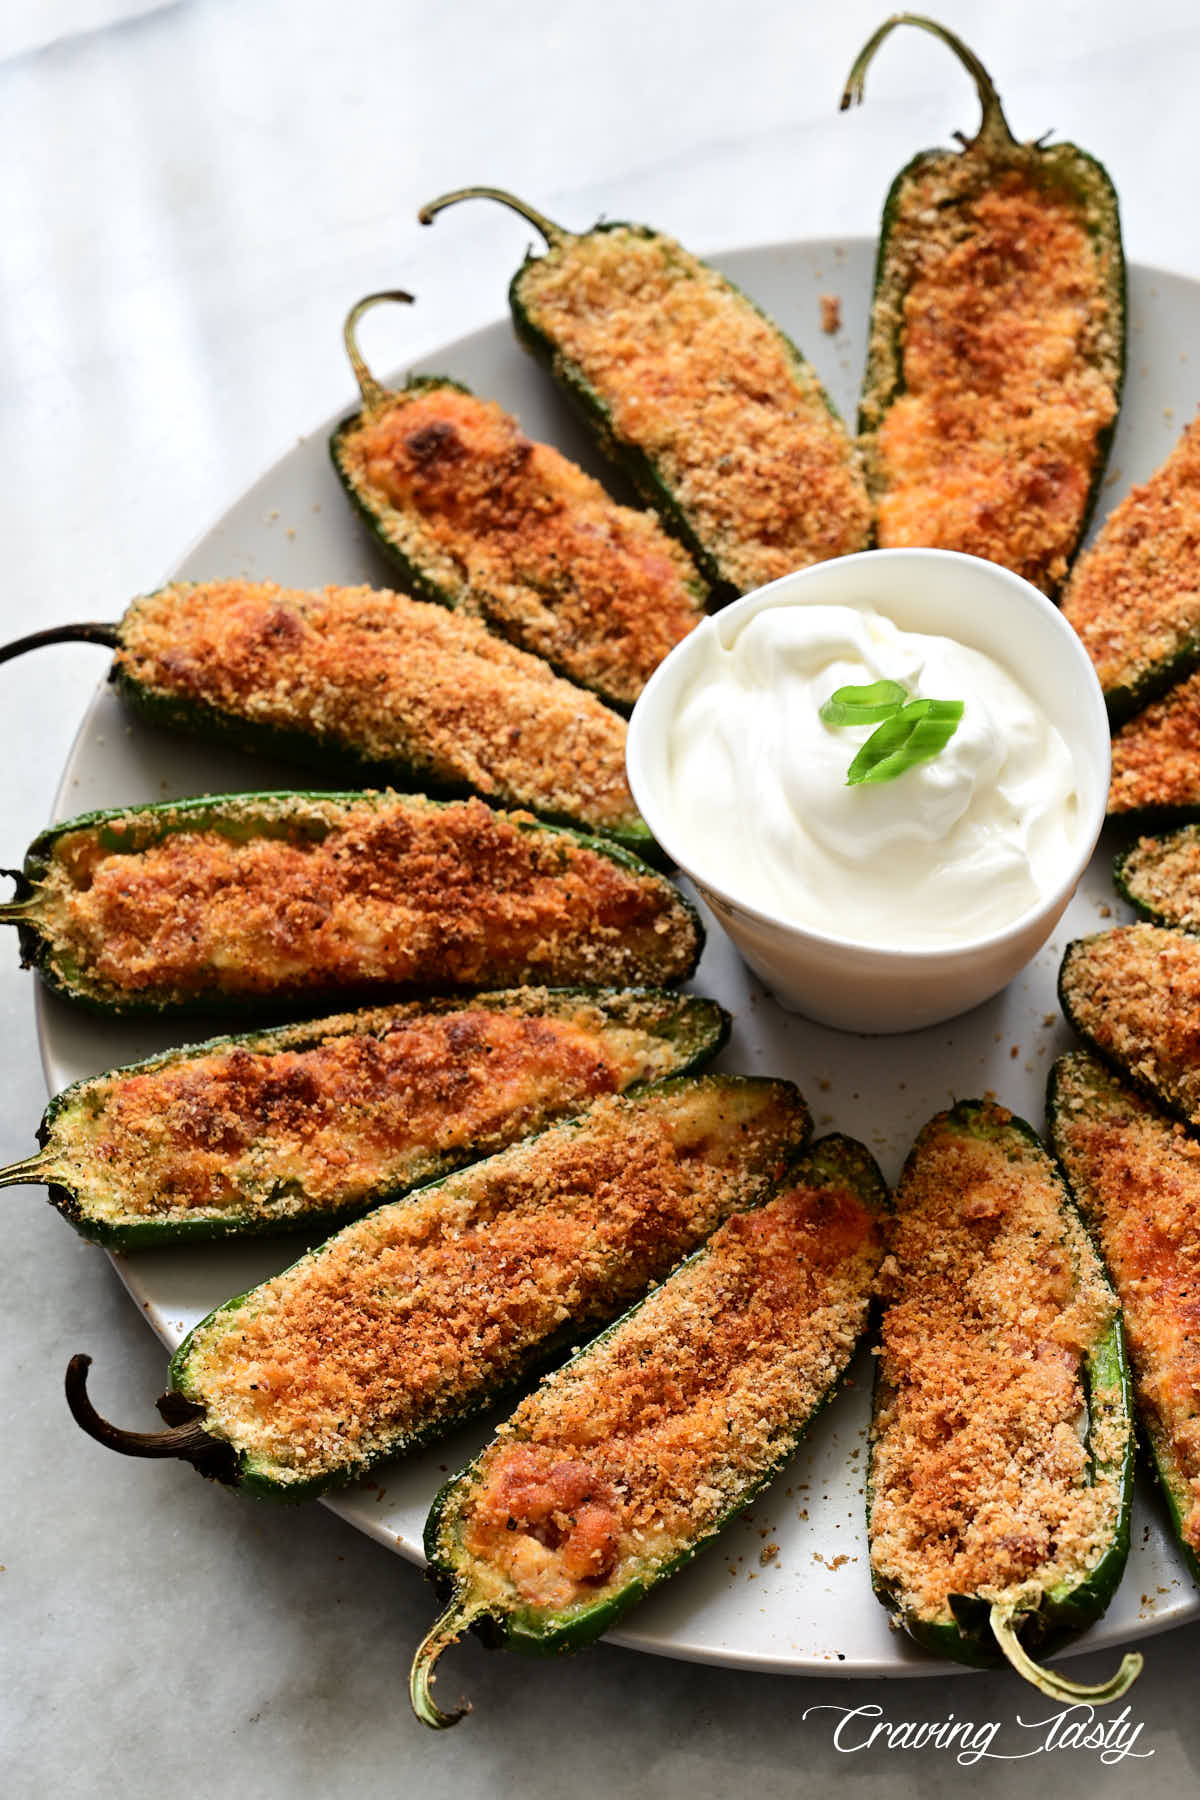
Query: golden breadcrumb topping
x=1163, y=875
x=389, y=680
x=1134, y=597
x=1135, y=993
x=386, y=891
x=422, y=1309
x=692, y=374
x=980, y=1478
x=1136, y=1175
x=1008, y=370
x=626, y=1457
x=1154, y=760
x=331, y=1116
x=513, y=532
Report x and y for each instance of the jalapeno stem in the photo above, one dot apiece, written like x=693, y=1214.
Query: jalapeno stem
x=188, y=1440
x=61, y=634
x=463, y=1608
x=553, y=234
x=23, y=905
x=994, y=127
x=374, y=394
x=1048, y=1681
x=28, y=1170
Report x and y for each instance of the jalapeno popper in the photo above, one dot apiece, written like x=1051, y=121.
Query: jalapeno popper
x=633, y=1456
x=362, y=681
x=309, y=1124
x=1160, y=876
x=479, y=518
x=1001, y=1464
x=425, y=1311
x=700, y=398
x=1133, y=995
x=996, y=346
x=1156, y=760
x=258, y=899
x=1134, y=597
x=1136, y=1176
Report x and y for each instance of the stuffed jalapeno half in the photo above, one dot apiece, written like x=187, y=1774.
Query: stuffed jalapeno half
x=1135, y=1174
x=1001, y=1463
x=1133, y=596
x=996, y=346
x=362, y=682
x=477, y=517
x=1160, y=877
x=426, y=1311
x=634, y=1455
x=283, y=899
x=699, y=397
x=1133, y=995
x=309, y=1124
x=1155, y=761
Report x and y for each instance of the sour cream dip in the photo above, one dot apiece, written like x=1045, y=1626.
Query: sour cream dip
x=950, y=850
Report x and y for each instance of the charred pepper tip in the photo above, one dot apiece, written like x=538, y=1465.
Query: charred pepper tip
x=374, y=394
x=993, y=126
x=459, y=1614
x=553, y=234
x=186, y=1439
x=1049, y=1681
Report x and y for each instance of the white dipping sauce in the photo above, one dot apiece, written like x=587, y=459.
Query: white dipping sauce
x=952, y=849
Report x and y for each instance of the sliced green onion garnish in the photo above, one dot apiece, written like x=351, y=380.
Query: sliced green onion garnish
x=864, y=705
x=916, y=734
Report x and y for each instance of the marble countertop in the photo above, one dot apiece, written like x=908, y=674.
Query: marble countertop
x=192, y=194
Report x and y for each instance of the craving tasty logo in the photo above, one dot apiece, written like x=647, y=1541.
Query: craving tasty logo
x=1074, y=1728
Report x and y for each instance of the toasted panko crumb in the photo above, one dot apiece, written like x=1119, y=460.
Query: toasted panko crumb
x=986, y=436
x=979, y=1475
x=385, y=891
x=1162, y=874
x=1136, y=1175
x=424, y=1308
x=1135, y=994
x=691, y=374
x=331, y=1116
x=831, y=313
x=623, y=1459
x=386, y=680
x=511, y=531
x=1134, y=597
x=1155, y=764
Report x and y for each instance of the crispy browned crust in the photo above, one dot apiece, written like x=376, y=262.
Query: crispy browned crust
x=1008, y=382
x=387, y=679
x=692, y=374
x=616, y=1463
x=391, y=893
x=979, y=1472
x=521, y=537
x=1136, y=1174
x=404, y=1317
x=1162, y=875
x=1156, y=755
x=1134, y=597
x=382, y=1097
x=1135, y=994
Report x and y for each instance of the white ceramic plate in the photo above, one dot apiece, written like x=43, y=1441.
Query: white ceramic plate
x=786, y=1588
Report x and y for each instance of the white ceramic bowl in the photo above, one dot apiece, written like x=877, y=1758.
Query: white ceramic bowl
x=838, y=981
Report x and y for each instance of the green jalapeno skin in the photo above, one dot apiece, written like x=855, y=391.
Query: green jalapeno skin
x=1081, y=1082
x=976, y=1635
x=834, y=1166
x=308, y=818
x=690, y=1030
x=991, y=153
x=570, y=1210
x=715, y=558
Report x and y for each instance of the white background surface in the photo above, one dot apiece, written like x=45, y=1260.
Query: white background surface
x=190, y=199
